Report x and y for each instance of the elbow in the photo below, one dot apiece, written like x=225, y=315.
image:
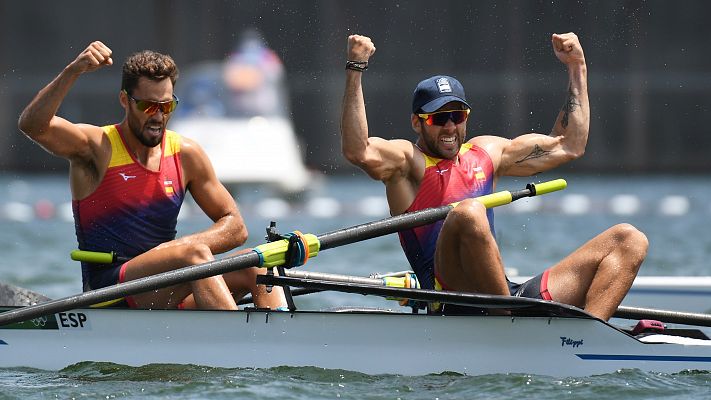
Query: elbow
x=29, y=127
x=240, y=235
x=575, y=154
x=23, y=124
x=235, y=233
x=356, y=158
x=574, y=149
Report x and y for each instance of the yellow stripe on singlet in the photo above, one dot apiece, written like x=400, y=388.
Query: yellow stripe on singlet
x=119, y=154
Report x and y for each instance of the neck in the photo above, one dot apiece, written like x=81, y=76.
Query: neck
x=142, y=153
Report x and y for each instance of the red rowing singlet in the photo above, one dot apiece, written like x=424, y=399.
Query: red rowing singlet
x=133, y=209
x=445, y=182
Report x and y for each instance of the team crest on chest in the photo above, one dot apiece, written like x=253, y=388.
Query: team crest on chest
x=479, y=174
x=168, y=184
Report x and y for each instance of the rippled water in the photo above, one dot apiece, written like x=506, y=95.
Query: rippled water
x=36, y=238
x=101, y=380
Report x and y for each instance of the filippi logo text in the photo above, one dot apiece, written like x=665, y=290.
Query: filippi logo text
x=566, y=341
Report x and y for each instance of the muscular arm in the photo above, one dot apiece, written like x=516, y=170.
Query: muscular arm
x=389, y=161
x=381, y=159
x=384, y=160
x=533, y=153
x=228, y=230
x=57, y=135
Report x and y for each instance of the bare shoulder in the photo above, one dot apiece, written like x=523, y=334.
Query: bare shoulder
x=491, y=143
x=96, y=148
x=94, y=133
x=195, y=161
x=404, y=145
x=192, y=150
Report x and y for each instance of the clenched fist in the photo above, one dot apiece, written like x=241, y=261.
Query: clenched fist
x=95, y=56
x=567, y=48
x=360, y=48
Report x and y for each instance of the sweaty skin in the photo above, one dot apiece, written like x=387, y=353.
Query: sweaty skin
x=595, y=277
x=88, y=151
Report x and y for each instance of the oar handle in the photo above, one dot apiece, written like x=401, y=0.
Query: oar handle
x=548, y=187
x=97, y=257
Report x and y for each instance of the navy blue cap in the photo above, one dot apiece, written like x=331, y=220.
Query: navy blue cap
x=434, y=92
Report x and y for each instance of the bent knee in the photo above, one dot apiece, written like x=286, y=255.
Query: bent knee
x=628, y=235
x=468, y=211
x=196, y=254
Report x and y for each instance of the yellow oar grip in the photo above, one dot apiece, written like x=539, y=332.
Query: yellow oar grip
x=274, y=253
x=92, y=256
x=495, y=199
x=550, y=186
x=492, y=200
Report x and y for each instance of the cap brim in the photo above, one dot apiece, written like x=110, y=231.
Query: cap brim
x=435, y=104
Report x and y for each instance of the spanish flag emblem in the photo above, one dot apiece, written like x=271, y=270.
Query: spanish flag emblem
x=169, y=188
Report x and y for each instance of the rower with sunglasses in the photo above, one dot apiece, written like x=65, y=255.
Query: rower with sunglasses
x=129, y=180
x=443, y=167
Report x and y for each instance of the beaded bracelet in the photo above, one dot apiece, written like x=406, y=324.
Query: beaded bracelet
x=359, y=66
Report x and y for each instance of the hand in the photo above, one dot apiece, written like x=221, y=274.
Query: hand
x=360, y=48
x=567, y=48
x=96, y=56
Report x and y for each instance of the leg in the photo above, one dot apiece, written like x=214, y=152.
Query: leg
x=209, y=293
x=467, y=257
x=243, y=281
x=598, y=275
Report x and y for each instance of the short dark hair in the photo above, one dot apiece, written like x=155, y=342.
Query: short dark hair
x=149, y=64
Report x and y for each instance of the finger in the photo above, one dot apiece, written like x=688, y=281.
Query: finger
x=101, y=52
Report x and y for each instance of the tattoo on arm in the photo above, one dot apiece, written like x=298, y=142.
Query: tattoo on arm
x=570, y=105
x=537, y=152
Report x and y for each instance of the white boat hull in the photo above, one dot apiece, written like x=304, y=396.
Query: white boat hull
x=373, y=343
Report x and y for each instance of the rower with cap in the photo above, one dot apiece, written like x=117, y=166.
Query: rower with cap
x=443, y=167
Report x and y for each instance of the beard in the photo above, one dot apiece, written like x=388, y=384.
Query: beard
x=432, y=147
x=140, y=131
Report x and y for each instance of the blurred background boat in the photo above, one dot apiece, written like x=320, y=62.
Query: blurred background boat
x=238, y=110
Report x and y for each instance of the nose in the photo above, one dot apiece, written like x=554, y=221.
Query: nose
x=160, y=114
x=450, y=123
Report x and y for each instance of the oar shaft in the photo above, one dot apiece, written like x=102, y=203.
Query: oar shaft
x=672, y=317
x=259, y=258
x=137, y=286
x=333, y=277
x=383, y=227
x=424, y=217
x=425, y=295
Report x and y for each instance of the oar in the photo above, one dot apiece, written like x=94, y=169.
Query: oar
x=672, y=317
x=488, y=301
x=269, y=254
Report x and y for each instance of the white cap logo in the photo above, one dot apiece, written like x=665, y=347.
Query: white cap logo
x=443, y=85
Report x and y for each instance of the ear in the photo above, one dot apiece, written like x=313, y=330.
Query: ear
x=123, y=99
x=416, y=123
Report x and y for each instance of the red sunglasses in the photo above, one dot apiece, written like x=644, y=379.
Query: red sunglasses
x=151, y=107
x=440, y=118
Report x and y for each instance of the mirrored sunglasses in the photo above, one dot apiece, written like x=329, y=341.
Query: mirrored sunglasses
x=440, y=118
x=151, y=107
